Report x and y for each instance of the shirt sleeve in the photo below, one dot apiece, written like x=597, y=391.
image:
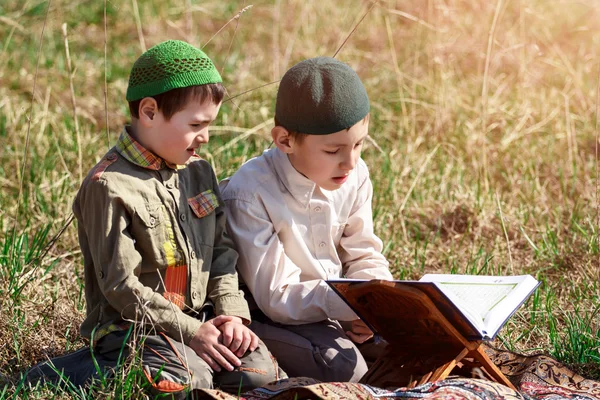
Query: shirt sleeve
x=273, y=279
x=360, y=248
x=106, y=220
x=223, y=285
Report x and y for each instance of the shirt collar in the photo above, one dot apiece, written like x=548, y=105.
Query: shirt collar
x=137, y=154
x=299, y=186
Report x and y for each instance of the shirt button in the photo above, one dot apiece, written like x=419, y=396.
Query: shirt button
x=322, y=244
x=317, y=209
x=170, y=185
x=152, y=220
x=194, y=295
x=193, y=254
x=182, y=217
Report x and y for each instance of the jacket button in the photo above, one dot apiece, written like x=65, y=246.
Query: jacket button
x=101, y=274
x=170, y=185
x=182, y=217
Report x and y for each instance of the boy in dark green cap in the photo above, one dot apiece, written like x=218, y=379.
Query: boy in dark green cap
x=159, y=266
x=301, y=214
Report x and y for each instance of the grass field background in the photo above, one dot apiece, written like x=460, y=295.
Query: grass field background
x=483, y=153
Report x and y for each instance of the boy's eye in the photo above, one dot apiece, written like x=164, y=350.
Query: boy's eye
x=358, y=144
x=331, y=152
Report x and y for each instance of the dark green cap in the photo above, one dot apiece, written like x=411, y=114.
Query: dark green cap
x=170, y=65
x=320, y=96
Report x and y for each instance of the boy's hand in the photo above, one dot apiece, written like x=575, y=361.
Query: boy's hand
x=360, y=332
x=207, y=345
x=238, y=337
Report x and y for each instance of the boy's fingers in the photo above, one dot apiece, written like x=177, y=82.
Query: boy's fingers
x=352, y=336
x=360, y=325
x=221, y=319
x=355, y=338
x=217, y=354
x=245, y=344
x=238, y=341
x=211, y=363
x=358, y=338
x=254, y=341
x=361, y=330
x=227, y=357
x=227, y=335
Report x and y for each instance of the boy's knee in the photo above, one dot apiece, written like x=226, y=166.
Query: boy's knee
x=171, y=369
x=258, y=369
x=341, y=364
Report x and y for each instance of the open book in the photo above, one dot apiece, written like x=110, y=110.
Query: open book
x=477, y=306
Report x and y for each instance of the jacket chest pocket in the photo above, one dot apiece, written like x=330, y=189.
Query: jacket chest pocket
x=203, y=207
x=149, y=231
x=150, y=215
x=204, y=203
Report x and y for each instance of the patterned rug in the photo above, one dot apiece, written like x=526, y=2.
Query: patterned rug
x=536, y=377
x=542, y=377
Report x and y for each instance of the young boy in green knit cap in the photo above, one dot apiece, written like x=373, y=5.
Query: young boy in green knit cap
x=301, y=214
x=152, y=234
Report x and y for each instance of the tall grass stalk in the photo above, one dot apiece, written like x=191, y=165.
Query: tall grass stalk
x=484, y=95
x=138, y=25
x=73, y=102
x=596, y=144
x=106, y=75
x=512, y=271
x=236, y=17
x=373, y=4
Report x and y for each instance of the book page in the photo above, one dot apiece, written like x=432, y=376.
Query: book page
x=487, y=301
x=479, y=298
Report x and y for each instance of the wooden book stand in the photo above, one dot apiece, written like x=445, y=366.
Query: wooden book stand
x=423, y=345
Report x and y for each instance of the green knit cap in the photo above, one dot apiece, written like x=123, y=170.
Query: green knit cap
x=320, y=96
x=170, y=65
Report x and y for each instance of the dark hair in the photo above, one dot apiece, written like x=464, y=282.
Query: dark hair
x=176, y=99
x=297, y=136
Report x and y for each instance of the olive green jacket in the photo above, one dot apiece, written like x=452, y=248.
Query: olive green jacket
x=154, y=244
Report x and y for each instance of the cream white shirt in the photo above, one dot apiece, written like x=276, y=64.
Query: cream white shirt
x=291, y=236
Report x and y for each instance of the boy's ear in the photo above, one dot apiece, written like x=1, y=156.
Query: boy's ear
x=147, y=110
x=282, y=139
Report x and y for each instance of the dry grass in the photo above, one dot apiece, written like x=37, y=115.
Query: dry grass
x=484, y=114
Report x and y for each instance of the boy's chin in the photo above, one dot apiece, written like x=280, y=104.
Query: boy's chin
x=330, y=186
x=181, y=161
x=187, y=159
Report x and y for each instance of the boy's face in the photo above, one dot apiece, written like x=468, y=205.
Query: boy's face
x=328, y=159
x=177, y=139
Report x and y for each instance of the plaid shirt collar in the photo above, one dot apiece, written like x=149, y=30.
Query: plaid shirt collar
x=137, y=154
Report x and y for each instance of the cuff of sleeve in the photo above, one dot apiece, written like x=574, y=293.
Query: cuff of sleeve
x=187, y=330
x=338, y=309
x=235, y=306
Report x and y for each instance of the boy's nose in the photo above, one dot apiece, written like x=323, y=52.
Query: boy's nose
x=202, y=138
x=349, y=161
